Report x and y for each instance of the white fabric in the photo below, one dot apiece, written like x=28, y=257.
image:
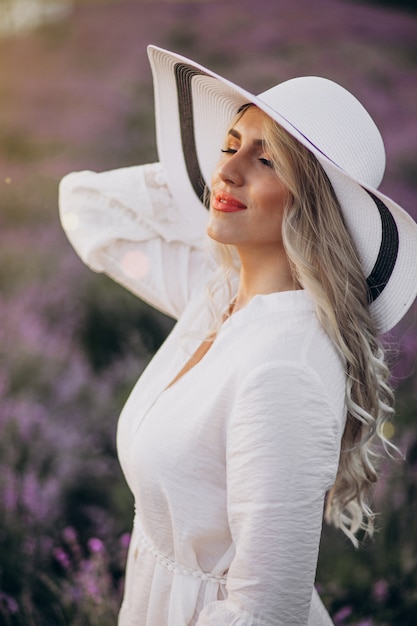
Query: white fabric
x=230, y=465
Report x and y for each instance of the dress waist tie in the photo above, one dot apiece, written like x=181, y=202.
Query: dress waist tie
x=177, y=568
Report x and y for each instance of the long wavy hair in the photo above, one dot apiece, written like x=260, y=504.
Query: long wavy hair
x=325, y=262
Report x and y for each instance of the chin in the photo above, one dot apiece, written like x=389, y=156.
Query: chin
x=220, y=237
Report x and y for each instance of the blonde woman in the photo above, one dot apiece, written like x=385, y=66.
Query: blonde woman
x=266, y=403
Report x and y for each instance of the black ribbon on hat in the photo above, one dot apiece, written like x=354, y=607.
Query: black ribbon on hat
x=183, y=76
x=388, y=251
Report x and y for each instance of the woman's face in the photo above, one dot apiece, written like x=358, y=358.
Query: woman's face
x=247, y=198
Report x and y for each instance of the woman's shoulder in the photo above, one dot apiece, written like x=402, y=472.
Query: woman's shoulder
x=283, y=331
x=281, y=325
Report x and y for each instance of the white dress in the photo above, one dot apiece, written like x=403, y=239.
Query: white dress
x=229, y=466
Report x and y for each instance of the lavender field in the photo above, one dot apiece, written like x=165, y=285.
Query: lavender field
x=76, y=93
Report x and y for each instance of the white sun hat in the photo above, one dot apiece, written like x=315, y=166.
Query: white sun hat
x=193, y=108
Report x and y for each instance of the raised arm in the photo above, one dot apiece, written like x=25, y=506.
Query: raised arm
x=124, y=223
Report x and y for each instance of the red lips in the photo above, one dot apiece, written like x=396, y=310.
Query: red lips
x=224, y=201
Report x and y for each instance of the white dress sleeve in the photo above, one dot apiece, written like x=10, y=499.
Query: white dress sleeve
x=282, y=456
x=124, y=223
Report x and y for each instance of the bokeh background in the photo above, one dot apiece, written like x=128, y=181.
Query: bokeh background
x=76, y=93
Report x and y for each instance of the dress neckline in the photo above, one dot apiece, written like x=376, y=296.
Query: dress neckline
x=279, y=301
x=259, y=305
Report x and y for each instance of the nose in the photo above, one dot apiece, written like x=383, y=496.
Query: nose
x=230, y=170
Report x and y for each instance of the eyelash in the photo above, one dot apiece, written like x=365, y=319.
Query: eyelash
x=232, y=151
x=267, y=162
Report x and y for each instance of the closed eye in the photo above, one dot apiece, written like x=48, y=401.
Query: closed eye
x=266, y=162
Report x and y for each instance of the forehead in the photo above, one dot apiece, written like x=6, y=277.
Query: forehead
x=251, y=123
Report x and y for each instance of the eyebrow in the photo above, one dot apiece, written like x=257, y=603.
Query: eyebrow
x=234, y=133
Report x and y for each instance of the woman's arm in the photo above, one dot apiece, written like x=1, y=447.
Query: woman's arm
x=282, y=456
x=124, y=223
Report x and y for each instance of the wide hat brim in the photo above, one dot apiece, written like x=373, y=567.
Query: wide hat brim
x=193, y=108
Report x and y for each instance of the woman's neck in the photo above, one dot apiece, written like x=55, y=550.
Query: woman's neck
x=261, y=275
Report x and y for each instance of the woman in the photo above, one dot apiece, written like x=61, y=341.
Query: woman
x=271, y=392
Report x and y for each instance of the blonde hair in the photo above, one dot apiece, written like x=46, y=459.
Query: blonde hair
x=325, y=262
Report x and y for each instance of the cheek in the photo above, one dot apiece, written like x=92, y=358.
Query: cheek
x=271, y=212
x=273, y=204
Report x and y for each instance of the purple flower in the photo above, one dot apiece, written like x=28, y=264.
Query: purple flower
x=125, y=540
x=93, y=590
x=380, y=590
x=62, y=558
x=342, y=614
x=9, y=602
x=95, y=545
x=69, y=535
